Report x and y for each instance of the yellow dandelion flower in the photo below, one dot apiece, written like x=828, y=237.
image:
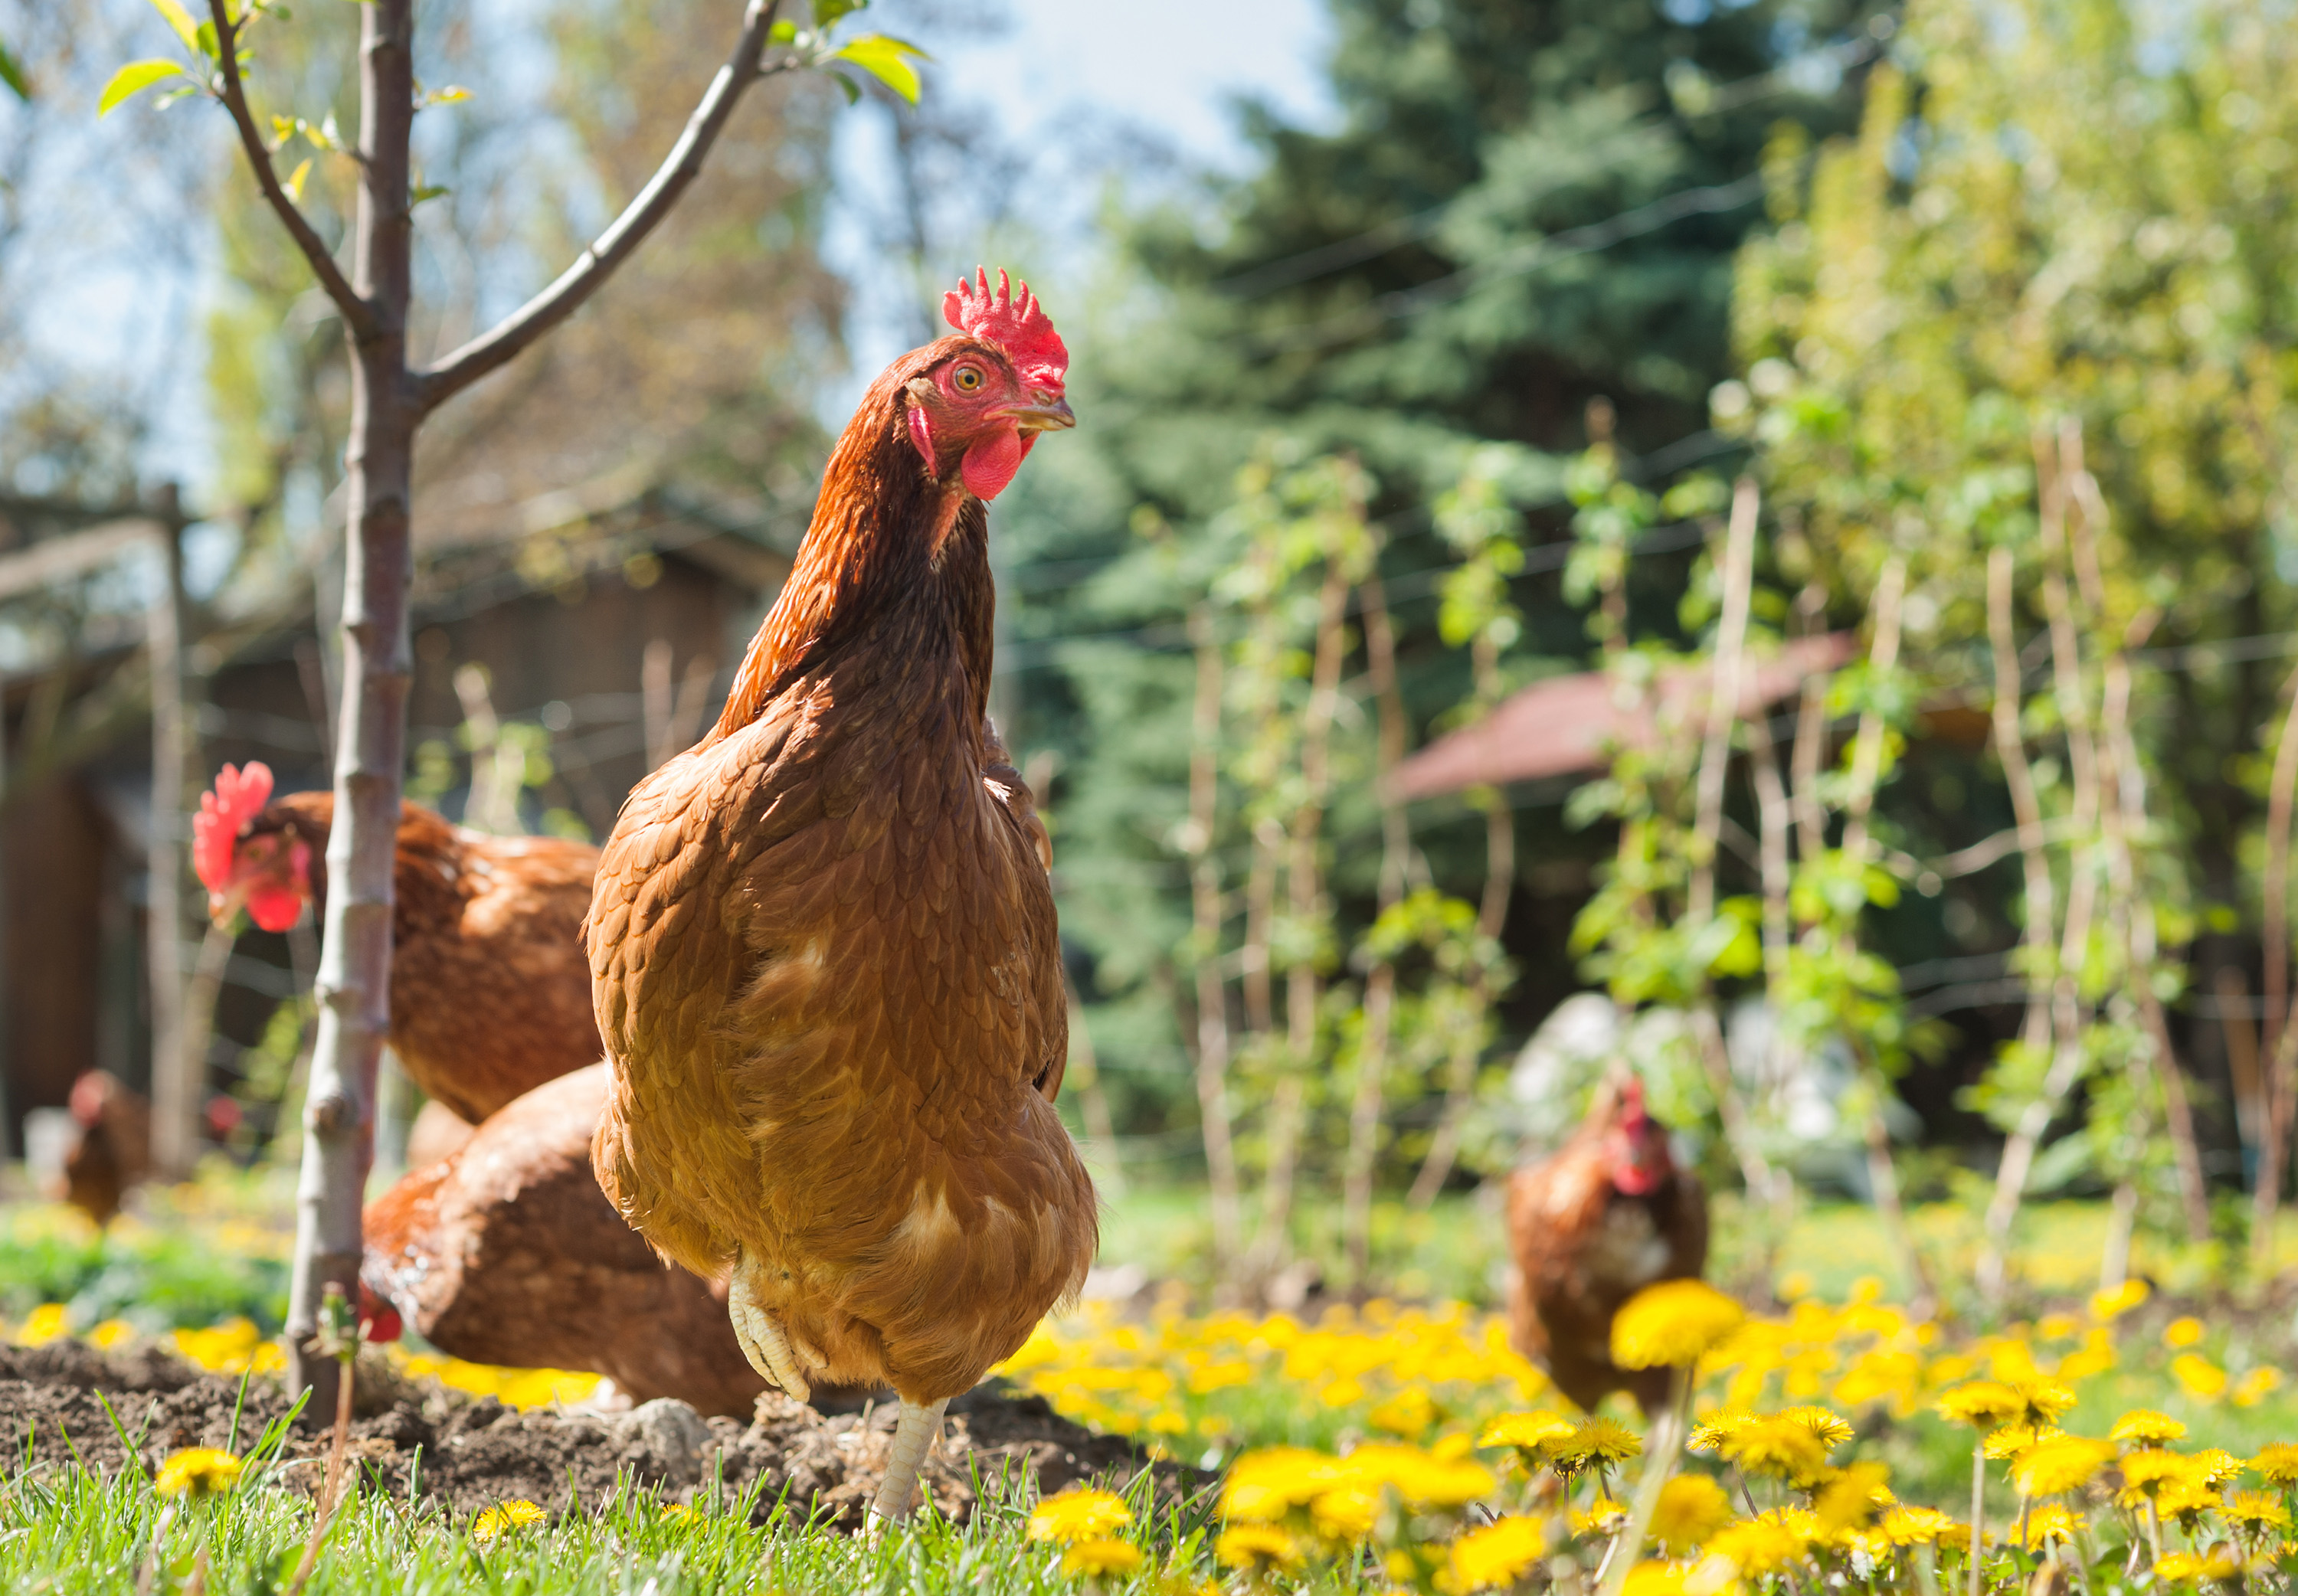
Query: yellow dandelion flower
x=1852, y=1498
x=2198, y=1377
x=1831, y=1428
x=1691, y=1507
x=1256, y=1546
x=2044, y=1402
x=2017, y=1440
x=1272, y=1483
x=1983, y=1404
x=1531, y=1433
x=2106, y=1305
x=2215, y=1466
x=1594, y=1444
x=1411, y=1413
x=2278, y=1465
x=2186, y=1499
x=2049, y=1524
x=1654, y=1578
x=1673, y=1324
x=1496, y=1556
x=1781, y=1447
x=1347, y=1515
x=1600, y=1517
x=2255, y=1509
x=2255, y=1388
x=2062, y=1463
x=1091, y=1558
x=1710, y=1433
x=1424, y=1480
x=504, y=1518
x=2189, y=1568
x=2145, y=1473
x=2144, y=1426
x=199, y=1471
x=1917, y=1526
x=2182, y=1332
x=1757, y=1546
x=1079, y=1516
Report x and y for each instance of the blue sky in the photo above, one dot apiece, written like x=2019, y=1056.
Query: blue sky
x=1066, y=76
x=1087, y=83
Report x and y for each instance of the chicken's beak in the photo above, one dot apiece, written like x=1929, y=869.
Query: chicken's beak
x=1045, y=416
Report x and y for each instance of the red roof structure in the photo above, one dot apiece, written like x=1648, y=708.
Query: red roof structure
x=1568, y=723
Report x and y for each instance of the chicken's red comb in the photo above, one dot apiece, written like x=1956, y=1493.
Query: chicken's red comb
x=238, y=797
x=1021, y=328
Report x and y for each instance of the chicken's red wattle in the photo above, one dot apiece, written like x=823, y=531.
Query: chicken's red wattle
x=990, y=464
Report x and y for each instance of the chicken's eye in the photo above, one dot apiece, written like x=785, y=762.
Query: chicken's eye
x=968, y=378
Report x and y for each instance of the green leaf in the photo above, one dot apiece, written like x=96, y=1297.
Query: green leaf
x=294, y=184
x=12, y=75
x=424, y=191
x=204, y=40
x=133, y=80
x=180, y=19
x=853, y=89
x=781, y=33
x=828, y=13
x=887, y=59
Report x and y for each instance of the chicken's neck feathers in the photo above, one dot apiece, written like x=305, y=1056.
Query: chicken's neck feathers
x=896, y=556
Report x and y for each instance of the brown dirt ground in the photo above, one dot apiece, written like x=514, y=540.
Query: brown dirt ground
x=468, y=1454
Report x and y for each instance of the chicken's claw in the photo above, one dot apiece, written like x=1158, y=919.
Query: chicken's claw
x=763, y=1343
x=915, y=1433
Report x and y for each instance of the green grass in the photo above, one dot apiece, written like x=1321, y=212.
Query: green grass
x=73, y=1531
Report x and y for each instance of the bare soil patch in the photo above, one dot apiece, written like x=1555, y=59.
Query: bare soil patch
x=66, y=1402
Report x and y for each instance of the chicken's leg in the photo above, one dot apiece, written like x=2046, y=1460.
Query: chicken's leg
x=762, y=1338
x=915, y=1433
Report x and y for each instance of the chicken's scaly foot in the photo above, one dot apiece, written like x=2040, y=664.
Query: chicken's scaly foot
x=762, y=1338
x=915, y=1433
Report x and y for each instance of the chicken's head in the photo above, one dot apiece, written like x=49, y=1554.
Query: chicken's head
x=986, y=401
x=244, y=858
x=1635, y=1144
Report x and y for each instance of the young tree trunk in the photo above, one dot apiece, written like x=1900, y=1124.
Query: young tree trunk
x=2281, y=1037
x=1492, y=918
x=175, y=1077
x=1212, y=991
x=1724, y=694
x=1304, y=884
x=2018, y=1160
x=353, y=990
x=389, y=400
x=1866, y=773
x=1363, y=1155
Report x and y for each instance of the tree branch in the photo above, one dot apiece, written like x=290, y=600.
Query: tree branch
x=499, y=344
x=357, y=314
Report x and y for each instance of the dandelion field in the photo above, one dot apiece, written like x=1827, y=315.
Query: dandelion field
x=1389, y=1445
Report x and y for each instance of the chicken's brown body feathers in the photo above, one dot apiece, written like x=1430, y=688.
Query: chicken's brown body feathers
x=1582, y=1248
x=507, y=1252
x=490, y=992
x=827, y=969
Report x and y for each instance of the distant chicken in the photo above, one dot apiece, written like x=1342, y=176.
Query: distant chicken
x=507, y=1252
x=1607, y=1216
x=113, y=1147
x=490, y=993
x=824, y=938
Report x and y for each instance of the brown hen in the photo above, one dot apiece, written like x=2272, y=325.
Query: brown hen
x=827, y=970
x=506, y=1251
x=1607, y=1216
x=490, y=992
x=111, y=1150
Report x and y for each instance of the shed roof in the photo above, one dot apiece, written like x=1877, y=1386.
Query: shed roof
x=1568, y=723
